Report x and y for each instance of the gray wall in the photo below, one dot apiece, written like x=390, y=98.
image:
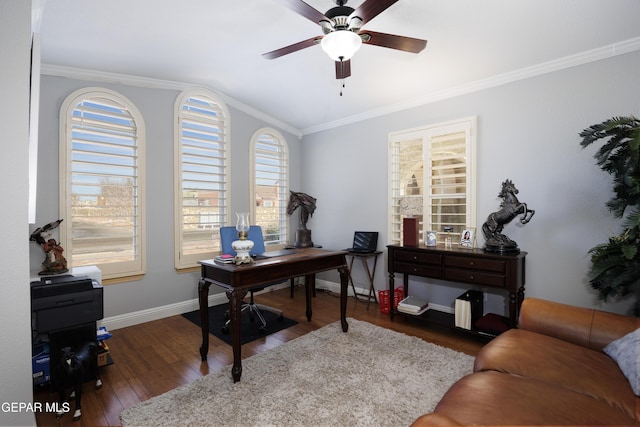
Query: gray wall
x=527, y=132
x=15, y=330
x=161, y=285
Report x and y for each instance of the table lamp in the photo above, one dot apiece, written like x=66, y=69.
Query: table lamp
x=243, y=245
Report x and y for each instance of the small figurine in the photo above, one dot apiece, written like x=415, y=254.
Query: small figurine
x=54, y=262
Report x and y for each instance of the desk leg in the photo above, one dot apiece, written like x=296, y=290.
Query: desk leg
x=235, y=311
x=344, y=283
x=391, y=290
x=203, y=300
x=309, y=287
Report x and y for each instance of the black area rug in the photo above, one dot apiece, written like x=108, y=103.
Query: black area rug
x=250, y=329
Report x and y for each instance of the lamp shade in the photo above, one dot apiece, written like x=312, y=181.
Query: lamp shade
x=340, y=45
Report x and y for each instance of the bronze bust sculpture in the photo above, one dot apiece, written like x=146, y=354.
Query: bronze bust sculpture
x=307, y=205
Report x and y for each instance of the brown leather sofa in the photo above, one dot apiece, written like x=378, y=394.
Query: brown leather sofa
x=549, y=371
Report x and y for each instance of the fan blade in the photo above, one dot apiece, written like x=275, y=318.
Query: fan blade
x=370, y=9
x=292, y=48
x=303, y=9
x=343, y=69
x=407, y=44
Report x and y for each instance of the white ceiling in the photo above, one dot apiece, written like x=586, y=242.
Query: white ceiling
x=219, y=44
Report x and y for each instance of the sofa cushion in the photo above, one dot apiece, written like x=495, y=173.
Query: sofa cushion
x=557, y=362
x=626, y=352
x=493, y=398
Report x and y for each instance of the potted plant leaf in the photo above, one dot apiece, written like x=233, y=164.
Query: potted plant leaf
x=615, y=265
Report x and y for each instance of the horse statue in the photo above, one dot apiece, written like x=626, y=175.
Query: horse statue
x=307, y=205
x=510, y=207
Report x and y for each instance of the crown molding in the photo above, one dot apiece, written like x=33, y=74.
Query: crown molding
x=609, y=51
x=36, y=15
x=605, y=52
x=126, y=79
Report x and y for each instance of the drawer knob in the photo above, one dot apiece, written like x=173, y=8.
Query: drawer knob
x=471, y=277
x=415, y=258
x=471, y=263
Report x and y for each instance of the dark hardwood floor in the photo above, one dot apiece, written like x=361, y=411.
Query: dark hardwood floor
x=155, y=357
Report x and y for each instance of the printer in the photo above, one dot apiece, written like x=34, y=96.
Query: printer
x=67, y=300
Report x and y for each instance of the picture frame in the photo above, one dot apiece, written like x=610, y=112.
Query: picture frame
x=430, y=238
x=467, y=238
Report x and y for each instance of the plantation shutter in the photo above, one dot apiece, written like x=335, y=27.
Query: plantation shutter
x=447, y=201
x=433, y=170
x=407, y=172
x=202, y=161
x=271, y=165
x=102, y=198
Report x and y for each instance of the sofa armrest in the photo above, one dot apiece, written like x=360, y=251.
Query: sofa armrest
x=589, y=328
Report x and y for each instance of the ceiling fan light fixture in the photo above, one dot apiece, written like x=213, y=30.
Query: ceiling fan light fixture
x=341, y=45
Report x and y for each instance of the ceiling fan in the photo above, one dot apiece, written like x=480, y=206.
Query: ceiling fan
x=343, y=33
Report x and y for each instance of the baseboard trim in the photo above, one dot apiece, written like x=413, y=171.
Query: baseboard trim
x=157, y=313
x=335, y=287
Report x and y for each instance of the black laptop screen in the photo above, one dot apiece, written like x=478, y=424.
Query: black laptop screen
x=365, y=240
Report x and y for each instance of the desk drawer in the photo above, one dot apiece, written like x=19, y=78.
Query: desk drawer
x=475, y=277
x=418, y=257
x=489, y=265
x=424, y=270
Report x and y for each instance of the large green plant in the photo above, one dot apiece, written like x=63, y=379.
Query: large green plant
x=615, y=269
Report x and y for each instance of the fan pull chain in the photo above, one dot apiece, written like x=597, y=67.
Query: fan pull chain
x=342, y=87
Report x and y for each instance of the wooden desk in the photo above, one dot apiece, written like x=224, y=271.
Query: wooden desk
x=238, y=280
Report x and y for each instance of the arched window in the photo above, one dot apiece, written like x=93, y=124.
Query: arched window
x=270, y=185
x=202, y=159
x=102, y=200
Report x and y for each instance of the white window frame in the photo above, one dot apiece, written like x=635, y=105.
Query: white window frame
x=425, y=134
x=210, y=225
x=117, y=269
x=283, y=160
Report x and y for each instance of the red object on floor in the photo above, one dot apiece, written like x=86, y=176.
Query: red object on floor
x=383, y=297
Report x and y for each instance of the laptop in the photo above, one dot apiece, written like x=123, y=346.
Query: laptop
x=364, y=242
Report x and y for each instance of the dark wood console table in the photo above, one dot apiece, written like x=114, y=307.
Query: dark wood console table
x=467, y=266
x=237, y=280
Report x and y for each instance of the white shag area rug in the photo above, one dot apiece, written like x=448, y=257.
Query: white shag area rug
x=369, y=376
